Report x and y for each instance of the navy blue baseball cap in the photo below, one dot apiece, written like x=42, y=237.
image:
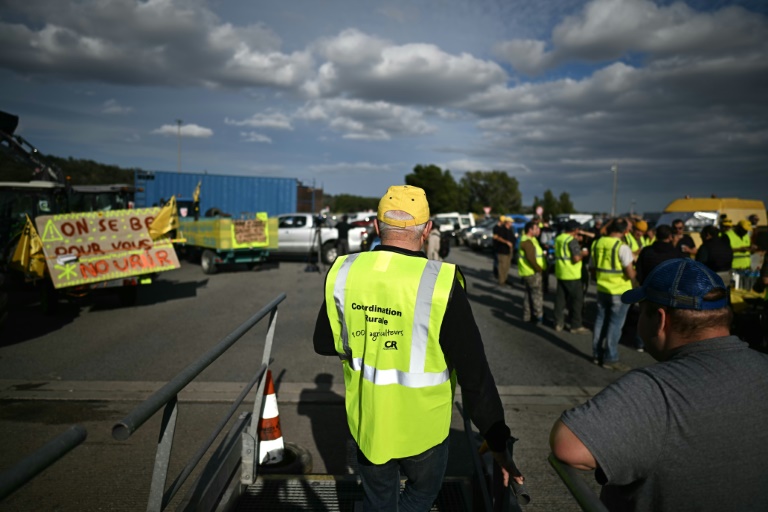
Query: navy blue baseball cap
x=681, y=283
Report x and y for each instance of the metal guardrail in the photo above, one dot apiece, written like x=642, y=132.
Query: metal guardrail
x=573, y=480
x=499, y=498
x=167, y=398
x=25, y=470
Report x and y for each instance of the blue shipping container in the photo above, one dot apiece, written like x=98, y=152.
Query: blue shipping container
x=235, y=195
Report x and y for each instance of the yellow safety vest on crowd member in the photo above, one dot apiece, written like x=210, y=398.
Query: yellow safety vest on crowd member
x=399, y=388
x=525, y=269
x=741, y=259
x=647, y=241
x=608, y=269
x=630, y=240
x=565, y=269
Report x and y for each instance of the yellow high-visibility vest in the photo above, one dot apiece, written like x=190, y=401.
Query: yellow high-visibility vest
x=565, y=268
x=608, y=269
x=741, y=259
x=524, y=268
x=386, y=310
x=630, y=240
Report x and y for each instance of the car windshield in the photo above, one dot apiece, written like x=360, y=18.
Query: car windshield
x=693, y=221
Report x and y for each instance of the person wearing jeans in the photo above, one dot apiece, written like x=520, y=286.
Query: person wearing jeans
x=615, y=274
x=403, y=329
x=379, y=479
x=612, y=307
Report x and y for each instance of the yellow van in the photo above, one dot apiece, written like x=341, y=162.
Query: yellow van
x=697, y=212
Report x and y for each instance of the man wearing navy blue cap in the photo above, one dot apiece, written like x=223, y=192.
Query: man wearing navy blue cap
x=687, y=433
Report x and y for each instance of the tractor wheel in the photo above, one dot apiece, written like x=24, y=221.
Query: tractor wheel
x=208, y=262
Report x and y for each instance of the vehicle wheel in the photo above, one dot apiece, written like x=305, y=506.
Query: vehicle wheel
x=296, y=461
x=129, y=296
x=208, y=262
x=329, y=253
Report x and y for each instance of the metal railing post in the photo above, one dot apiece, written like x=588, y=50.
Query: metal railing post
x=250, y=450
x=163, y=456
x=35, y=463
x=582, y=493
x=167, y=397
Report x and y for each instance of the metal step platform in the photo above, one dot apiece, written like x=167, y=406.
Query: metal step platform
x=331, y=493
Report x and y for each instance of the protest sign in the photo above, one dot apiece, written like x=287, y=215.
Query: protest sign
x=84, y=248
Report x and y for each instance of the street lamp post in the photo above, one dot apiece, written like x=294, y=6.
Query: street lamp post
x=615, y=170
x=178, y=136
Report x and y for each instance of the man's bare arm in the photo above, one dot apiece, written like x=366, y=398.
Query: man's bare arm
x=569, y=448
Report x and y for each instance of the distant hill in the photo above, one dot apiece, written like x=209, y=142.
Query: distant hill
x=80, y=172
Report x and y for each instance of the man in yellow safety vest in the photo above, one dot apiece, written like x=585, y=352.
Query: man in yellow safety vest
x=613, y=266
x=404, y=330
x=530, y=266
x=741, y=243
x=568, y=255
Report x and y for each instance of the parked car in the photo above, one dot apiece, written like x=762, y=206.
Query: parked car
x=482, y=235
x=305, y=234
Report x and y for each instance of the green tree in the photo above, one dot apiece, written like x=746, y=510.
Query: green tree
x=496, y=189
x=442, y=191
x=566, y=206
x=550, y=204
x=345, y=203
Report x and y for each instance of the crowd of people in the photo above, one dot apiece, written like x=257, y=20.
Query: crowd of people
x=618, y=255
x=686, y=433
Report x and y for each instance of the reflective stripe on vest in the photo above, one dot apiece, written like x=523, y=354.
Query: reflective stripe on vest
x=741, y=259
x=565, y=268
x=385, y=311
x=630, y=240
x=524, y=268
x=609, y=273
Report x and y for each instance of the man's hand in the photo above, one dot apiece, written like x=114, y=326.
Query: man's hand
x=506, y=463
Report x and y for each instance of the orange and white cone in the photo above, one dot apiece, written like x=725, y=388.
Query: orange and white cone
x=271, y=446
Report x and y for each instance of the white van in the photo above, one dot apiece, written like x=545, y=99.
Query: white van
x=453, y=221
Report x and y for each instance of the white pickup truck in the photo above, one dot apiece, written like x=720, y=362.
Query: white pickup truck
x=300, y=234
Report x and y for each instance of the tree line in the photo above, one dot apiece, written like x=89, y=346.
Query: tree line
x=474, y=191
x=78, y=171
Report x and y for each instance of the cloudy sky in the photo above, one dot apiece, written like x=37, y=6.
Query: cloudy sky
x=350, y=95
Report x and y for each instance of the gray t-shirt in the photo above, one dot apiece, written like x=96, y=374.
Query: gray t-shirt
x=690, y=433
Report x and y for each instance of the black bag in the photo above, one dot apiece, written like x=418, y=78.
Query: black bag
x=445, y=245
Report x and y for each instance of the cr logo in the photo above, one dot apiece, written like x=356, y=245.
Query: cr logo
x=390, y=345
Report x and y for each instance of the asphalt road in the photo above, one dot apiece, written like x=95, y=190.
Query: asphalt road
x=94, y=360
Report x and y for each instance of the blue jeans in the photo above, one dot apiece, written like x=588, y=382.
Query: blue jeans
x=424, y=473
x=617, y=313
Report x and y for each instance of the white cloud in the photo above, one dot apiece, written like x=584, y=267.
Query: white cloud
x=113, y=107
x=610, y=29
x=255, y=137
x=273, y=120
x=157, y=42
x=366, y=67
x=357, y=119
x=187, y=130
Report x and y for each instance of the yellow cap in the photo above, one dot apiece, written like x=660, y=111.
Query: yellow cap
x=503, y=218
x=727, y=222
x=745, y=225
x=641, y=225
x=405, y=198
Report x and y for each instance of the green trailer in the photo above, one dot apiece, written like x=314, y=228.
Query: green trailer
x=218, y=241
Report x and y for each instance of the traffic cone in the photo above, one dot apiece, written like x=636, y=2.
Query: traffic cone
x=271, y=446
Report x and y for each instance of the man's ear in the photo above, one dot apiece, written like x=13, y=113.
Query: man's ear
x=663, y=327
